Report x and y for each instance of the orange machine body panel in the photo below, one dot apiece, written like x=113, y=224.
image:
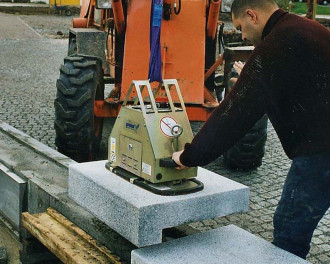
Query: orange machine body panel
x=182, y=47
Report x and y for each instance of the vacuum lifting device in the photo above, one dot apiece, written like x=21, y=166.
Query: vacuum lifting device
x=145, y=136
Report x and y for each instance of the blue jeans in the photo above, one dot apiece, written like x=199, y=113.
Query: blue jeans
x=304, y=201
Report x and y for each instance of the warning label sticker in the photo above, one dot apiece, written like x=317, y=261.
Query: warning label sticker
x=166, y=124
x=112, y=149
x=146, y=168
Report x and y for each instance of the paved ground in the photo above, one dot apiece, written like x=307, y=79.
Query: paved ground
x=29, y=63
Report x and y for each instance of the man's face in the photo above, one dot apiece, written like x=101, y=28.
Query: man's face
x=249, y=27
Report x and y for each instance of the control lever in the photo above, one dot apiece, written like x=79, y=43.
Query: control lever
x=168, y=163
x=176, y=132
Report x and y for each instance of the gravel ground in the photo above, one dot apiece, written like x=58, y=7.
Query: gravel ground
x=28, y=73
x=49, y=26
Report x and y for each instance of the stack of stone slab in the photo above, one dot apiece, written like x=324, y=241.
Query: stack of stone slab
x=140, y=216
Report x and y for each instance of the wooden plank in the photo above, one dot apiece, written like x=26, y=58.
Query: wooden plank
x=66, y=240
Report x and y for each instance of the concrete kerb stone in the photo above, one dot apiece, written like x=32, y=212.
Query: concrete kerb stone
x=139, y=215
x=43, y=179
x=225, y=245
x=39, y=147
x=12, y=191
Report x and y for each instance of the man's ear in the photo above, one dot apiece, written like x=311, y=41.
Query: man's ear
x=252, y=15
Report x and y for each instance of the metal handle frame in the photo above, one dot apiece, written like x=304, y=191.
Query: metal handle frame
x=139, y=87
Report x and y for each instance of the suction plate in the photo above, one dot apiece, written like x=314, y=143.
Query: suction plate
x=171, y=188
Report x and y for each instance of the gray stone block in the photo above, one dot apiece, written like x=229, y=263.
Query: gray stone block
x=225, y=245
x=12, y=193
x=139, y=215
x=39, y=199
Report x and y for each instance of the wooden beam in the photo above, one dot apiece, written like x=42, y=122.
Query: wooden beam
x=66, y=240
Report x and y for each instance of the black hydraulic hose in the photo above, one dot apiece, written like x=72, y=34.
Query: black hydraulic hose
x=220, y=37
x=177, y=11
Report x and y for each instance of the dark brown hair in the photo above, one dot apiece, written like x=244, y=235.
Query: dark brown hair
x=239, y=6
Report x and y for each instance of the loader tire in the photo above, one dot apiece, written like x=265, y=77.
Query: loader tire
x=78, y=131
x=247, y=154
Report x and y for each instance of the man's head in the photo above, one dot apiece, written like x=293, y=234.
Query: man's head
x=251, y=16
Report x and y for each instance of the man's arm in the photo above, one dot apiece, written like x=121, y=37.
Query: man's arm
x=231, y=120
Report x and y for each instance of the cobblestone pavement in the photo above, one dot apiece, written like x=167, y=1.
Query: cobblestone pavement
x=28, y=72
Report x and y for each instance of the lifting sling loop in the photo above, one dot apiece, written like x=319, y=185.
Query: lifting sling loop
x=155, y=62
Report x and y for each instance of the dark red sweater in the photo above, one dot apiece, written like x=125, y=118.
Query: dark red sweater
x=288, y=77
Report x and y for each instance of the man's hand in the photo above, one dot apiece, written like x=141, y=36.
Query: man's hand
x=176, y=158
x=238, y=66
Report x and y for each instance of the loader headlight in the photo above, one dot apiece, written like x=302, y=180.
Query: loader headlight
x=226, y=6
x=103, y=4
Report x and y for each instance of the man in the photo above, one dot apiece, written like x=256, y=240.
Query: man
x=287, y=76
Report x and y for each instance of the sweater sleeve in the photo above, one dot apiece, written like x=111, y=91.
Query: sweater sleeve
x=233, y=118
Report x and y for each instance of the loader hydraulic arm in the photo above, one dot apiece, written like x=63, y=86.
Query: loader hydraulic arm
x=212, y=22
x=118, y=15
